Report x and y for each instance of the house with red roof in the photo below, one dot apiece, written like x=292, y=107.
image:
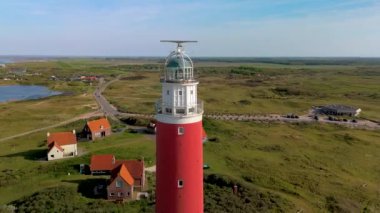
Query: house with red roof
x=121, y=185
x=136, y=169
x=61, y=145
x=107, y=164
x=97, y=129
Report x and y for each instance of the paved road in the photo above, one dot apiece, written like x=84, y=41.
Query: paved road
x=107, y=108
x=80, y=117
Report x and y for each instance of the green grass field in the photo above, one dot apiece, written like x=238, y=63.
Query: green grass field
x=306, y=164
x=262, y=89
x=22, y=167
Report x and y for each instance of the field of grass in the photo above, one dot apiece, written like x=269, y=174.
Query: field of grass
x=22, y=168
x=262, y=89
x=316, y=167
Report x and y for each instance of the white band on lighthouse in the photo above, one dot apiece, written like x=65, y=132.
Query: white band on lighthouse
x=179, y=119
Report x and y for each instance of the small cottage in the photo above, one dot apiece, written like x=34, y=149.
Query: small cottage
x=127, y=176
x=136, y=169
x=120, y=186
x=97, y=129
x=61, y=145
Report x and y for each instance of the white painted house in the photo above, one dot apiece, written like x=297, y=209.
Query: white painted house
x=61, y=145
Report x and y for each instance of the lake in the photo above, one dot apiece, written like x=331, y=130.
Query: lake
x=20, y=92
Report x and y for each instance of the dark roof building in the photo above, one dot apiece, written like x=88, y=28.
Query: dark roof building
x=338, y=109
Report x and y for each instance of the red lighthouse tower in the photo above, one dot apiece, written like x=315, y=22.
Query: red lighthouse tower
x=179, y=177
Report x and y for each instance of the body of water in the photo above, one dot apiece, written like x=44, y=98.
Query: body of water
x=20, y=92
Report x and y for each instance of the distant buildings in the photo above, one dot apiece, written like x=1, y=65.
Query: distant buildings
x=61, y=145
x=337, y=109
x=97, y=129
x=88, y=78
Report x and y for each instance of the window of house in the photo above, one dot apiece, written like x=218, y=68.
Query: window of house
x=181, y=130
x=180, y=92
x=52, y=156
x=168, y=110
x=167, y=92
x=191, y=109
x=112, y=194
x=119, y=194
x=180, y=183
x=119, y=183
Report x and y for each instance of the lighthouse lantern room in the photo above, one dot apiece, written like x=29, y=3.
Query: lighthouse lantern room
x=179, y=175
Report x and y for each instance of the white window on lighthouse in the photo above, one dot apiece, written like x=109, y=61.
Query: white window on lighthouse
x=181, y=130
x=180, y=183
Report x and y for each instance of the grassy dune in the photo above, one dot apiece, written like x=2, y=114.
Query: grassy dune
x=316, y=167
x=262, y=90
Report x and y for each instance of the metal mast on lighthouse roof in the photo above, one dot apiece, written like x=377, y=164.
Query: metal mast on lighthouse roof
x=179, y=42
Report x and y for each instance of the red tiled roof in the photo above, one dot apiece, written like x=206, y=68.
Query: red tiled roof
x=135, y=167
x=98, y=125
x=102, y=162
x=123, y=172
x=54, y=144
x=62, y=138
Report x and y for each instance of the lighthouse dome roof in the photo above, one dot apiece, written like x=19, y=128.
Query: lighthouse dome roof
x=178, y=60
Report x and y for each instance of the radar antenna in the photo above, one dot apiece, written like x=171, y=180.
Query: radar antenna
x=179, y=42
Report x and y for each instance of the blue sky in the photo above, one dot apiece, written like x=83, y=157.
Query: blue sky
x=223, y=27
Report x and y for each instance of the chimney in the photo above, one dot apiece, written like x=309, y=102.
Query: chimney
x=74, y=132
x=48, y=134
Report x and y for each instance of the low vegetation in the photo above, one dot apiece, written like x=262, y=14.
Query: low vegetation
x=308, y=167
x=261, y=89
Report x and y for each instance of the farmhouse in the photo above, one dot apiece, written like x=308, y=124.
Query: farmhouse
x=97, y=129
x=107, y=164
x=136, y=169
x=337, y=109
x=120, y=186
x=61, y=145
